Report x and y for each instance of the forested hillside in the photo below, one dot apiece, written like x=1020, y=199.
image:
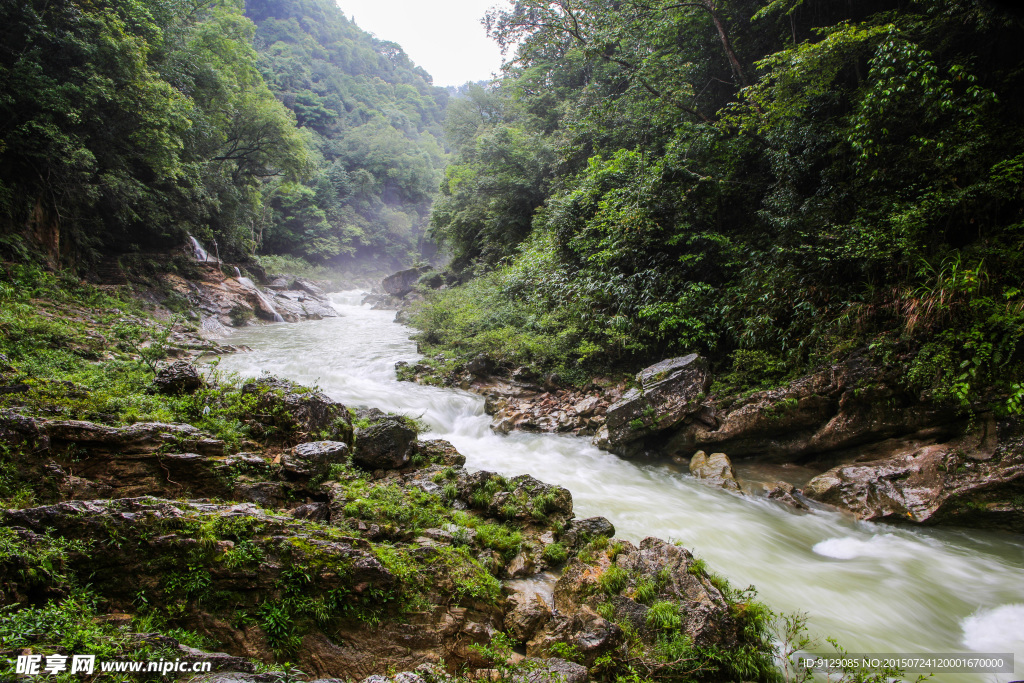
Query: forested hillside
x=126, y=125
x=773, y=184
x=375, y=123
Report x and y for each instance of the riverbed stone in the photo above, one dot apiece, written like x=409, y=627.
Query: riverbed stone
x=714, y=470
x=935, y=483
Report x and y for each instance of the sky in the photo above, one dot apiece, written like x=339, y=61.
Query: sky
x=446, y=38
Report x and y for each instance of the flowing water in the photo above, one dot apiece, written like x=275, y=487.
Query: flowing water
x=877, y=589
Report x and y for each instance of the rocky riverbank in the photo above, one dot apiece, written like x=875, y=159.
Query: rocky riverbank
x=183, y=514
x=882, y=453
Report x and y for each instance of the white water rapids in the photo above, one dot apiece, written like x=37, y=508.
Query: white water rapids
x=876, y=588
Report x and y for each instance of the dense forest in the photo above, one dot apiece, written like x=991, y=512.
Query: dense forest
x=770, y=183
x=274, y=127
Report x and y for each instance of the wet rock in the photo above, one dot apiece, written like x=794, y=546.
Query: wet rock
x=440, y=452
x=286, y=412
x=386, y=444
x=314, y=459
x=555, y=670
x=786, y=493
x=314, y=512
x=521, y=565
x=714, y=470
x=180, y=377
x=937, y=483
x=582, y=531
x=527, y=612
x=310, y=287
x=669, y=392
x=278, y=283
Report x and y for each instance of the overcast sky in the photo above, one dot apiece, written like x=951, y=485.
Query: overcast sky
x=446, y=38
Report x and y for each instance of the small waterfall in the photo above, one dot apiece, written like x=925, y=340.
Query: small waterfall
x=263, y=297
x=238, y=273
x=197, y=250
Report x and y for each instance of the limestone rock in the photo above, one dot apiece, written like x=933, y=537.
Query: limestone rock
x=314, y=458
x=935, y=483
x=402, y=282
x=555, y=670
x=714, y=470
x=386, y=444
x=582, y=531
x=669, y=392
x=785, y=492
x=180, y=377
x=288, y=413
x=441, y=452
x=526, y=614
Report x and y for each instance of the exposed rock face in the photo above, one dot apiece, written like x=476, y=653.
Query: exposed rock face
x=714, y=470
x=402, y=282
x=842, y=407
x=226, y=302
x=959, y=482
x=180, y=377
x=386, y=444
x=670, y=392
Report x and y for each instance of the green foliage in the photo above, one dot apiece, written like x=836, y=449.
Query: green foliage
x=773, y=192
x=613, y=580
x=664, y=616
x=129, y=124
x=374, y=121
x=555, y=554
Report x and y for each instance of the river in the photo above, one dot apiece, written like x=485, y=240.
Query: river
x=875, y=588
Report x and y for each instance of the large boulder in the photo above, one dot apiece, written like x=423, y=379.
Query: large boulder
x=714, y=470
x=314, y=459
x=668, y=393
x=402, y=282
x=384, y=445
x=289, y=413
x=180, y=377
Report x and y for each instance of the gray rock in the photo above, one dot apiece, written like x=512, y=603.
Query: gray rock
x=402, y=282
x=314, y=512
x=669, y=392
x=441, y=452
x=180, y=377
x=582, y=531
x=714, y=470
x=314, y=459
x=384, y=445
x=556, y=670
x=309, y=287
x=785, y=492
x=286, y=409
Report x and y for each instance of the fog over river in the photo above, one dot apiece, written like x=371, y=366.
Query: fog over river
x=875, y=588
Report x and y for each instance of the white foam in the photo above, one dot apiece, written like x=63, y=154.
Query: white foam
x=1000, y=629
x=851, y=548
